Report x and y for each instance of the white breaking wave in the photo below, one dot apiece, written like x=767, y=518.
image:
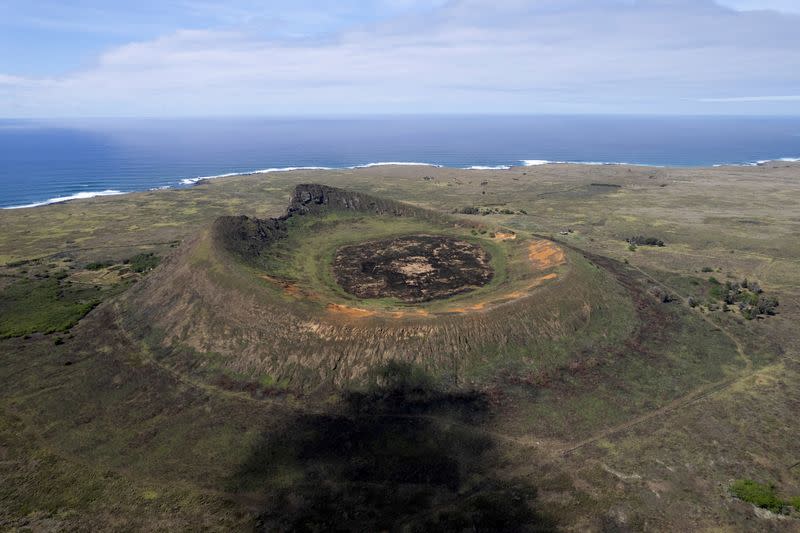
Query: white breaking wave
x=192, y=181
x=76, y=196
x=539, y=162
x=760, y=162
x=481, y=167
x=395, y=163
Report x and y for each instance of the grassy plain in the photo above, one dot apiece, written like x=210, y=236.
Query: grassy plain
x=646, y=419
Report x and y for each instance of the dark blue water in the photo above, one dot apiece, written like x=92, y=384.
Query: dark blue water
x=42, y=161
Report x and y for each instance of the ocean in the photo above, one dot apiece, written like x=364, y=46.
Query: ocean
x=49, y=161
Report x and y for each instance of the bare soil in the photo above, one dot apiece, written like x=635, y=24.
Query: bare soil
x=412, y=269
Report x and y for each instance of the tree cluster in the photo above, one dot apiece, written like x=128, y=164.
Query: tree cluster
x=641, y=240
x=472, y=210
x=748, y=296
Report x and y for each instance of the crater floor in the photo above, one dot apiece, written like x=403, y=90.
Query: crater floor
x=412, y=269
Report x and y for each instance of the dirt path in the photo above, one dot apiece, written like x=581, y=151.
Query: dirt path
x=739, y=347
x=691, y=397
x=678, y=404
x=65, y=253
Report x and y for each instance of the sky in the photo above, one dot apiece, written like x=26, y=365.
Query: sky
x=87, y=58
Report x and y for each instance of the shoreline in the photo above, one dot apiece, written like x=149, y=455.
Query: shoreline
x=526, y=163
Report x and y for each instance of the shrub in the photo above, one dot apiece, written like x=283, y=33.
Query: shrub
x=707, y=269
x=758, y=494
x=143, y=262
x=729, y=297
x=717, y=290
x=767, y=305
x=470, y=210
x=747, y=298
x=641, y=240
x=795, y=502
x=98, y=265
x=661, y=295
x=749, y=312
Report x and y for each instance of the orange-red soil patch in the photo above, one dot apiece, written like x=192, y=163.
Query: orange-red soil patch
x=545, y=254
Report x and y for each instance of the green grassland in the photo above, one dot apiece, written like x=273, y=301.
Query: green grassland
x=622, y=413
x=306, y=256
x=45, y=306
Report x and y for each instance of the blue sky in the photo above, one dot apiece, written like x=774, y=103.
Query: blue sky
x=246, y=57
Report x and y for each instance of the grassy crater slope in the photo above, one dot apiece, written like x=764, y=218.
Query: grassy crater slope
x=257, y=299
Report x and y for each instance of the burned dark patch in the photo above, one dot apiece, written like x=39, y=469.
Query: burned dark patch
x=412, y=269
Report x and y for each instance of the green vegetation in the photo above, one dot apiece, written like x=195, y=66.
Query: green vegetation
x=484, y=211
x=795, y=502
x=761, y=495
x=43, y=305
x=747, y=295
x=641, y=240
x=139, y=263
x=99, y=265
x=143, y=262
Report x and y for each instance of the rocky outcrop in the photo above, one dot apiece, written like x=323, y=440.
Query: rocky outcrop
x=313, y=198
x=248, y=237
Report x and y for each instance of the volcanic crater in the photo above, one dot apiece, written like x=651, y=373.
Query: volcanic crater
x=412, y=269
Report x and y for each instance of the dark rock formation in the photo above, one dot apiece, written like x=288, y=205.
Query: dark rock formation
x=313, y=198
x=249, y=237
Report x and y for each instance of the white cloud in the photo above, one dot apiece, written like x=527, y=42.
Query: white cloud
x=467, y=56
x=746, y=99
x=787, y=6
